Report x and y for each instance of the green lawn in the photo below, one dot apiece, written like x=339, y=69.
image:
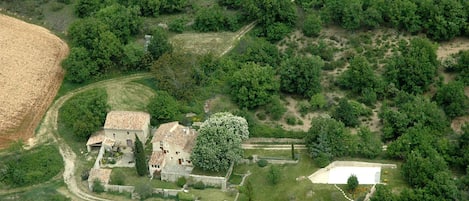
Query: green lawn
x=211, y=194
x=131, y=179
x=129, y=96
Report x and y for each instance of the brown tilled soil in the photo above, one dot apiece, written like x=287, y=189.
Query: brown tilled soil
x=30, y=75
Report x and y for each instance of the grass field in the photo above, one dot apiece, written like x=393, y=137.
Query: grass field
x=129, y=96
x=131, y=179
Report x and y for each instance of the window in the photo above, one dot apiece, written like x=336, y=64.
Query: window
x=177, y=152
x=188, y=161
x=158, y=166
x=114, y=135
x=128, y=133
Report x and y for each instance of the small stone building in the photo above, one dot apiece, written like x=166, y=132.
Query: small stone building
x=123, y=126
x=172, y=146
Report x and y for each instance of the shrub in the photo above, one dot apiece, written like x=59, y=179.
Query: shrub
x=84, y=175
x=274, y=174
x=352, y=183
x=318, y=101
x=261, y=116
x=291, y=120
x=322, y=160
x=97, y=186
x=303, y=107
x=181, y=181
x=177, y=25
x=262, y=163
x=312, y=25
x=277, y=31
x=144, y=190
x=199, y=185
x=250, y=157
x=275, y=108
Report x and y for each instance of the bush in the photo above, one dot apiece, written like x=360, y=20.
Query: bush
x=30, y=167
x=277, y=31
x=322, y=160
x=97, y=186
x=303, y=107
x=312, y=25
x=181, y=181
x=261, y=116
x=276, y=109
x=291, y=120
x=177, y=25
x=262, y=163
x=199, y=185
x=352, y=183
x=318, y=101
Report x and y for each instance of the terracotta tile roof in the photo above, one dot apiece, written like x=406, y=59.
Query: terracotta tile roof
x=96, y=138
x=175, y=134
x=126, y=120
x=157, y=158
x=104, y=175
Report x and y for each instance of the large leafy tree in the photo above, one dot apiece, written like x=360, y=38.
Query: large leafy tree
x=122, y=21
x=438, y=23
x=253, y=85
x=159, y=44
x=85, y=113
x=219, y=142
x=85, y=8
x=301, y=75
x=162, y=108
x=419, y=169
x=359, y=76
x=414, y=68
x=326, y=137
x=83, y=32
x=452, y=99
x=79, y=65
x=346, y=113
x=174, y=73
x=256, y=50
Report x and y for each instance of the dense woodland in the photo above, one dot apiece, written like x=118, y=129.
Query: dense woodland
x=402, y=81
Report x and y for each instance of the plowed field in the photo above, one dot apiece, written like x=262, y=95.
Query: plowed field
x=30, y=75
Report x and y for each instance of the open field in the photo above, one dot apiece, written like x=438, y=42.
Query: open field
x=30, y=76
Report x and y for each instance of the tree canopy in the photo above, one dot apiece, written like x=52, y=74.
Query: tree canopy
x=162, y=108
x=159, y=44
x=253, y=85
x=85, y=113
x=452, y=99
x=301, y=75
x=413, y=69
x=219, y=142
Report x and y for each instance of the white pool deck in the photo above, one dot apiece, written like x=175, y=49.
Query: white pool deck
x=339, y=171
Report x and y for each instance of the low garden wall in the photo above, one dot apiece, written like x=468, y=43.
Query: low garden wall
x=207, y=180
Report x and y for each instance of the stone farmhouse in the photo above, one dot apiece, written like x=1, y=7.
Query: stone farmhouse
x=172, y=146
x=120, y=129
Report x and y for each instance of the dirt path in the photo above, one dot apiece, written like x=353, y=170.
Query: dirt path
x=239, y=35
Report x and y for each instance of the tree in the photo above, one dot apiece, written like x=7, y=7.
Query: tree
x=123, y=21
x=85, y=113
x=438, y=23
x=133, y=58
x=172, y=6
x=219, y=142
x=144, y=190
x=452, y=99
x=85, y=8
x=312, y=25
x=258, y=50
x=215, y=19
x=162, y=108
x=274, y=175
x=107, y=51
x=174, y=73
x=414, y=69
x=159, y=44
x=301, y=75
x=352, y=183
x=369, y=145
x=383, y=193
x=326, y=138
x=253, y=85
x=359, y=76
x=79, y=65
x=140, y=160
x=346, y=113
x=83, y=32
x=419, y=169
x=268, y=12
x=293, y=152
x=352, y=14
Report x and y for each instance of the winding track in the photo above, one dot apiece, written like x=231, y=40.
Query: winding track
x=48, y=129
